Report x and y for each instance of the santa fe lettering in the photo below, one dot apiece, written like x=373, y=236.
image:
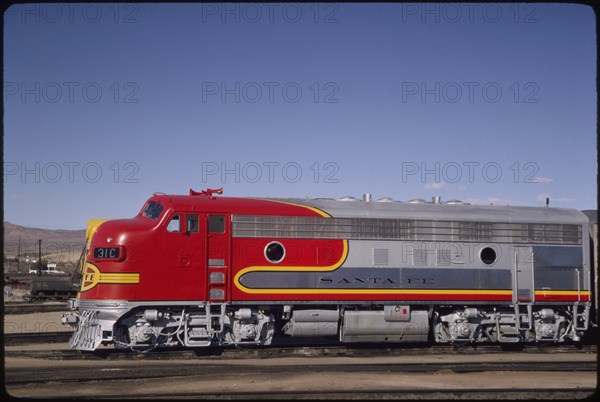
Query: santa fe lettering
x=357, y=281
x=421, y=281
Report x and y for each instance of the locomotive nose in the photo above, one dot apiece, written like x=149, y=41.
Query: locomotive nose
x=108, y=256
x=92, y=227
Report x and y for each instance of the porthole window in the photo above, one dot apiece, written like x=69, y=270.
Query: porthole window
x=274, y=252
x=488, y=255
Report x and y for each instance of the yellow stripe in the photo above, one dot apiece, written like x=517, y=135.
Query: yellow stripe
x=93, y=277
x=317, y=210
x=561, y=293
x=119, y=278
x=408, y=292
x=263, y=268
x=266, y=268
x=366, y=291
x=381, y=291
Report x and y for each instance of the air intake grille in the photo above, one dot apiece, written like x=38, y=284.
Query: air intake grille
x=380, y=256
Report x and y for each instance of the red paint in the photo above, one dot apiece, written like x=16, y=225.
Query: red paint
x=173, y=266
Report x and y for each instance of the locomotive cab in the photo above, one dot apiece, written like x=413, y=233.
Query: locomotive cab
x=173, y=253
x=166, y=252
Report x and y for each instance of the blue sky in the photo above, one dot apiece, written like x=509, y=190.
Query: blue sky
x=105, y=104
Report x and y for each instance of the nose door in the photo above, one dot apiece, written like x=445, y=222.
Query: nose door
x=219, y=257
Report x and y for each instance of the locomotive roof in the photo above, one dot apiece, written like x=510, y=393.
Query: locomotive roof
x=441, y=211
x=375, y=209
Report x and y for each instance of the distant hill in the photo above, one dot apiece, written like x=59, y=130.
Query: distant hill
x=59, y=246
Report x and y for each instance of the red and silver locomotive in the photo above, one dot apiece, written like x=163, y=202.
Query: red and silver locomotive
x=202, y=270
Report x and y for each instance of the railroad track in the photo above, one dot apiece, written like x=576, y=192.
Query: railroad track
x=212, y=373
x=209, y=370
x=30, y=308
x=379, y=394
x=117, y=382
x=25, y=338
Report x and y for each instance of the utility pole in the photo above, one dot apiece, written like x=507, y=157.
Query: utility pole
x=40, y=258
x=19, y=256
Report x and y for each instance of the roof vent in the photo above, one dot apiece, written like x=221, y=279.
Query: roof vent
x=367, y=197
x=436, y=199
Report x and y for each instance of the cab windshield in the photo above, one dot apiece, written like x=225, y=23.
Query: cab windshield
x=153, y=210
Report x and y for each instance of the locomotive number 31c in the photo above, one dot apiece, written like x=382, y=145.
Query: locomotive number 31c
x=106, y=252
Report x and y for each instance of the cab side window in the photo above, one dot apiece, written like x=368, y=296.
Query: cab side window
x=175, y=224
x=191, y=223
x=216, y=224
